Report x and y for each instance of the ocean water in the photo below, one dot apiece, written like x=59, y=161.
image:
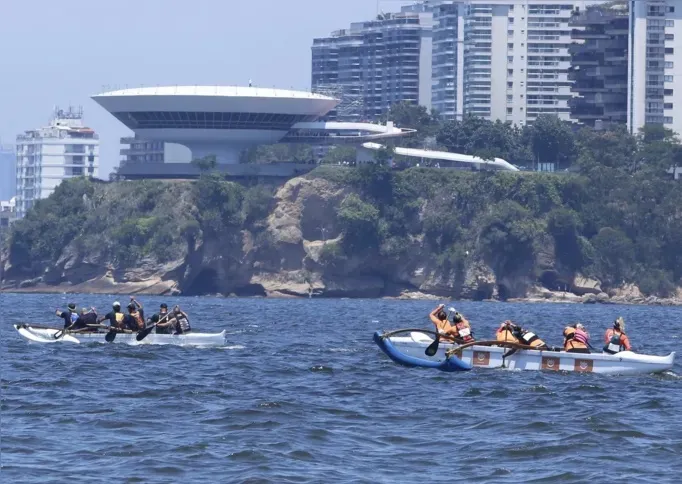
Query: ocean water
x=302, y=394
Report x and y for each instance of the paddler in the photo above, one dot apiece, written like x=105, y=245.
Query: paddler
x=615, y=338
x=505, y=333
x=162, y=316
x=70, y=316
x=576, y=339
x=463, y=328
x=529, y=338
x=439, y=318
x=115, y=317
x=86, y=317
x=134, y=320
x=178, y=321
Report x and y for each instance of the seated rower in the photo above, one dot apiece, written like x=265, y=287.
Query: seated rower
x=576, y=339
x=69, y=316
x=179, y=322
x=134, y=320
x=463, y=328
x=439, y=318
x=161, y=316
x=616, y=340
x=529, y=338
x=86, y=317
x=115, y=317
x=505, y=333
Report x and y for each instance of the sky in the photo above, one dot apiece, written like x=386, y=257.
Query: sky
x=61, y=53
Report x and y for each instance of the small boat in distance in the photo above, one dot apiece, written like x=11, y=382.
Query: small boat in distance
x=42, y=334
x=408, y=347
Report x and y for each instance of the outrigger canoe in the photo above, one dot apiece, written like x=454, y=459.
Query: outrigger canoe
x=408, y=347
x=47, y=335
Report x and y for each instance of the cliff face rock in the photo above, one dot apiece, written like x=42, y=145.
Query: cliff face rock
x=282, y=240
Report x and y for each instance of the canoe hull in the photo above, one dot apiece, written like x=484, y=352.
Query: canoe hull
x=625, y=363
x=43, y=335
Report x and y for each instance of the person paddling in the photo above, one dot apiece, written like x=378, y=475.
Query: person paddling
x=505, y=333
x=86, y=317
x=178, y=321
x=529, y=338
x=115, y=317
x=70, y=316
x=615, y=338
x=162, y=316
x=439, y=318
x=576, y=339
x=134, y=320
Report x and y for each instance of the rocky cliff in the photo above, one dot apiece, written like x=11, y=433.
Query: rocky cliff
x=329, y=234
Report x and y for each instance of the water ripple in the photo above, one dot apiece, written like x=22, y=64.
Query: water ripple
x=280, y=405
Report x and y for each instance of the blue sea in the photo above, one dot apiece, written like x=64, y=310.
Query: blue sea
x=301, y=394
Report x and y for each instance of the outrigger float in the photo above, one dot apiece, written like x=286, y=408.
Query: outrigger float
x=43, y=334
x=418, y=348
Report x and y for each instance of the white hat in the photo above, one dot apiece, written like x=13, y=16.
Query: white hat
x=116, y=303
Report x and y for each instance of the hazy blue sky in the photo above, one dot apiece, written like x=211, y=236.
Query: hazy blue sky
x=61, y=53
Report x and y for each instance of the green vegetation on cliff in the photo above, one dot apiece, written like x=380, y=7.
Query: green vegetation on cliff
x=616, y=216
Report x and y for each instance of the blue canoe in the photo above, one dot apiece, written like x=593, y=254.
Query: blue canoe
x=448, y=364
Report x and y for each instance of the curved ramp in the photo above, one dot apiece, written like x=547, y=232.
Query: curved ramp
x=498, y=163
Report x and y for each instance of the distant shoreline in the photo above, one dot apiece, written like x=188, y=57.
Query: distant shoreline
x=553, y=298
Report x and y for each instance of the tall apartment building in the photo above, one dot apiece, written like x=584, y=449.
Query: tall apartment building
x=599, y=65
x=45, y=156
x=654, y=75
x=375, y=64
x=8, y=172
x=503, y=59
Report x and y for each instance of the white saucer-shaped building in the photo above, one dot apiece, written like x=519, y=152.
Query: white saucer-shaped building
x=214, y=120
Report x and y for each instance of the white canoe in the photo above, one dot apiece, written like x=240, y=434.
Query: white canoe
x=624, y=363
x=46, y=335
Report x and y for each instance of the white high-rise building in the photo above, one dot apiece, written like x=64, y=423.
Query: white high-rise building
x=503, y=59
x=64, y=149
x=655, y=66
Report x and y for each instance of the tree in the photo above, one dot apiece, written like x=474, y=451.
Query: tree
x=359, y=221
x=551, y=140
x=206, y=163
x=337, y=155
x=412, y=116
x=384, y=155
x=616, y=255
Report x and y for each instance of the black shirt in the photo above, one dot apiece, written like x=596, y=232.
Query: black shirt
x=66, y=316
x=85, y=319
x=111, y=317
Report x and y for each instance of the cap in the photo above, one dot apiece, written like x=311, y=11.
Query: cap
x=71, y=306
x=131, y=306
x=117, y=304
x=164, y=306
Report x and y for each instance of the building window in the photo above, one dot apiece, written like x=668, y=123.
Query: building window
x=510, y=98
x=669, y=65
x=667, y=92
x=669, y=50
x=510, y=84
x=667, y=78
x=669, y=23
x=667, y=105
x=671, y=9
x=510, y=72
x=669, y=36
x=510, y=58
x=509, y=110
x=668, y=120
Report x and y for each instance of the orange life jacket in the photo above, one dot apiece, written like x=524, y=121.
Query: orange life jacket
x=569, y=341
x=505, y=335
x=138, y=319
x=464, y=331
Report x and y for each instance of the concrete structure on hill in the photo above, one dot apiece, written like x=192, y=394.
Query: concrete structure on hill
x=225, y=121
x=46, y=156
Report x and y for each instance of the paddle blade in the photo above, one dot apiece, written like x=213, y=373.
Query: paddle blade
x=111, y=336
x=143, y=334
x=432, y=349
